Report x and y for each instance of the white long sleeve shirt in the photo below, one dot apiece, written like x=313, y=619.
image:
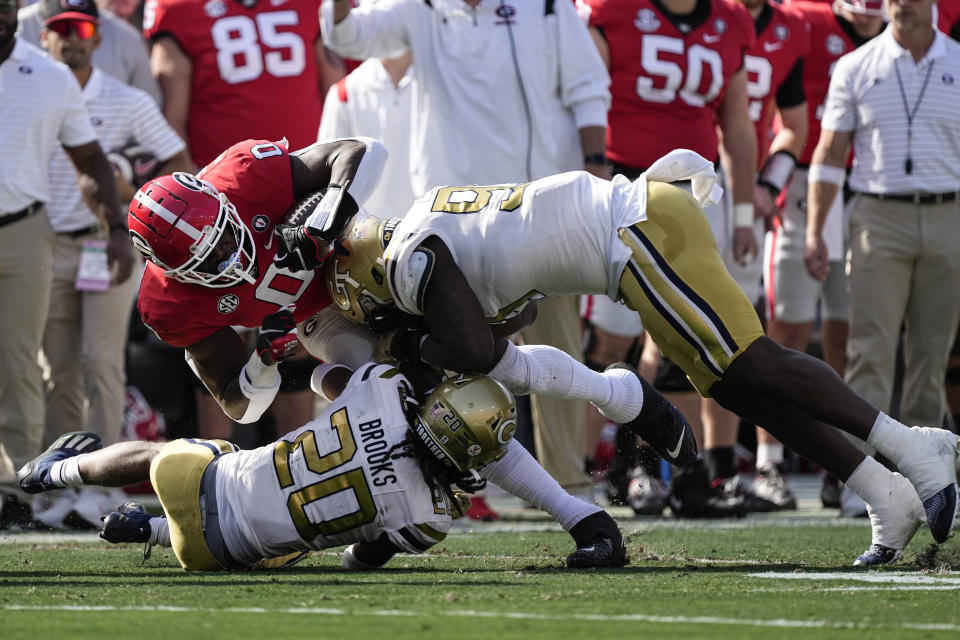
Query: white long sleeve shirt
x=485, y=75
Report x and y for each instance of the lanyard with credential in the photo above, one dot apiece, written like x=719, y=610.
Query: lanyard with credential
x=908, y=165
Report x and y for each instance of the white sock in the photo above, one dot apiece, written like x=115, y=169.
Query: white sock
x=159, y=532
x=551, y=372
x=870, y=480
x=891, y=438
x=767, y=452
x=521, y=475
x=66, y=473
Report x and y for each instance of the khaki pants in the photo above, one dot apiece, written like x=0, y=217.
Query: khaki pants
x=84, y=342
x=26, y=256
x=904, y=266
x=560, y=426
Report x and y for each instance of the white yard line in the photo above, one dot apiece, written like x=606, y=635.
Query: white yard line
x=595, y=617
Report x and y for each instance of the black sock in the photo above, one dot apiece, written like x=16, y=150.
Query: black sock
x=720, y=462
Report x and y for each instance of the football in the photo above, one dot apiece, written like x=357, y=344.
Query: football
x=135, y=163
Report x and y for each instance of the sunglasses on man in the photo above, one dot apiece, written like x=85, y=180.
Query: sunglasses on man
x=83, y=28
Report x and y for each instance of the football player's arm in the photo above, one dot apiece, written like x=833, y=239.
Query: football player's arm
x=602, y=46
x=460, y=338
x=173, y=69
x=329, y=68
x=738, y=148
x=824, y=181
x=785, y=148
x=362, y=556
x=244, y=390
x=219, y=361
x=99, y=189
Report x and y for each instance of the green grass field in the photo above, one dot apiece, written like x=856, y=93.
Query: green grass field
x=770, y=579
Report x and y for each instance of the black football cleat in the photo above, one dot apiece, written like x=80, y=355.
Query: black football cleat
x=599, y=543
x=661, y=425
x=34, y=477
x=129, y=523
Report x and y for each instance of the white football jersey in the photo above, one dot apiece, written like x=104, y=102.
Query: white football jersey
x=332, y=482
x=518, y=242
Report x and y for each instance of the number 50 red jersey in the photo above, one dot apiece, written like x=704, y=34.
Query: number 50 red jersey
x=668, y=74
x=254, y=70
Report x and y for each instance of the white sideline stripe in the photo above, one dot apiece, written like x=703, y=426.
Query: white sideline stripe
x=168, y=215
x=592, y=617
x=889, y=577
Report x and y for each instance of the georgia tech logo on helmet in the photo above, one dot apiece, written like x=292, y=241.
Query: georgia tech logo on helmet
x=228, y=303
x=505, y=430
x=386, y=235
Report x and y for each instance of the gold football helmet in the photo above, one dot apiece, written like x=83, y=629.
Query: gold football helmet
x=467, y=421
x=356, y=275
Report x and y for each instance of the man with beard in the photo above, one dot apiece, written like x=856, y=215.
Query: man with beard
x=41, y=107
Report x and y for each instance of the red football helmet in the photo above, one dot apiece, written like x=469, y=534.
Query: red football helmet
x=177, y=221
x=863, y=7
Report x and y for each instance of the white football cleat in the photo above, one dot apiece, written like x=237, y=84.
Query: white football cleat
x=893, y=520
x=932, y=468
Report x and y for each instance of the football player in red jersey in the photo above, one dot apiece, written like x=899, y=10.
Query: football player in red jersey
x=233, y=69
x=678, y=80
x=217, y=258
x=792, y=295
x=775, y=80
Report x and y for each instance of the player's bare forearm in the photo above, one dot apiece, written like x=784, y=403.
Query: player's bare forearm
x=459, y=339
x=218, y=360
x=173, y=69
x=738, y=138
x=325, y=163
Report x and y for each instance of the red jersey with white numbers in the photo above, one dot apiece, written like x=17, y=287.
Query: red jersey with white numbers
x=831, y=37
x=254, y=70
x=668, y=74
x=782, y=40
x=260, y=186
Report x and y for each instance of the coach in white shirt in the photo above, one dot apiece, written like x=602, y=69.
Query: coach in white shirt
x=86, y=330
x=40, y=109
x=896, y=99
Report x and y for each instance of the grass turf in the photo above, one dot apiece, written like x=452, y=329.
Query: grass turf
x=696, y=582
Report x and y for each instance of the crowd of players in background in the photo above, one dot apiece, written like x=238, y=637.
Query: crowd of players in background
x=748, y=96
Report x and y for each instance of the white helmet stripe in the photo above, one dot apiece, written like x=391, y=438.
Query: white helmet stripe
x=168, y=215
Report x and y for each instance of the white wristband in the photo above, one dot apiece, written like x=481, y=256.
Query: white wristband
x=827, y=173
x=743, y=215
x=259, y=384
x=319, y=373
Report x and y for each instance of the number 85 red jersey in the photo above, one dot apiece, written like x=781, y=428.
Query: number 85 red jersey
x=254, y=70
x=668, y=80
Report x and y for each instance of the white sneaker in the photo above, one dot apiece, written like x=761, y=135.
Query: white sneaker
x=894, y=520
x=932, y=468
x=627, y=398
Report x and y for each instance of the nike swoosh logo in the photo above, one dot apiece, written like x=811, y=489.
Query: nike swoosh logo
x=673, y=453
x=772, y=46
x=711, y=39
x=277, y=3
x=590, y=548
x=142, y=168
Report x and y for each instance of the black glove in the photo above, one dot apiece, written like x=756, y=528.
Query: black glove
x=308, y=233
x=276, y=341
x=298, y=250
x=398, y=346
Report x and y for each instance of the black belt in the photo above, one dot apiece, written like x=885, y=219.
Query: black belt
x=7, y=218
x=915, y=198
x=79, y=233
